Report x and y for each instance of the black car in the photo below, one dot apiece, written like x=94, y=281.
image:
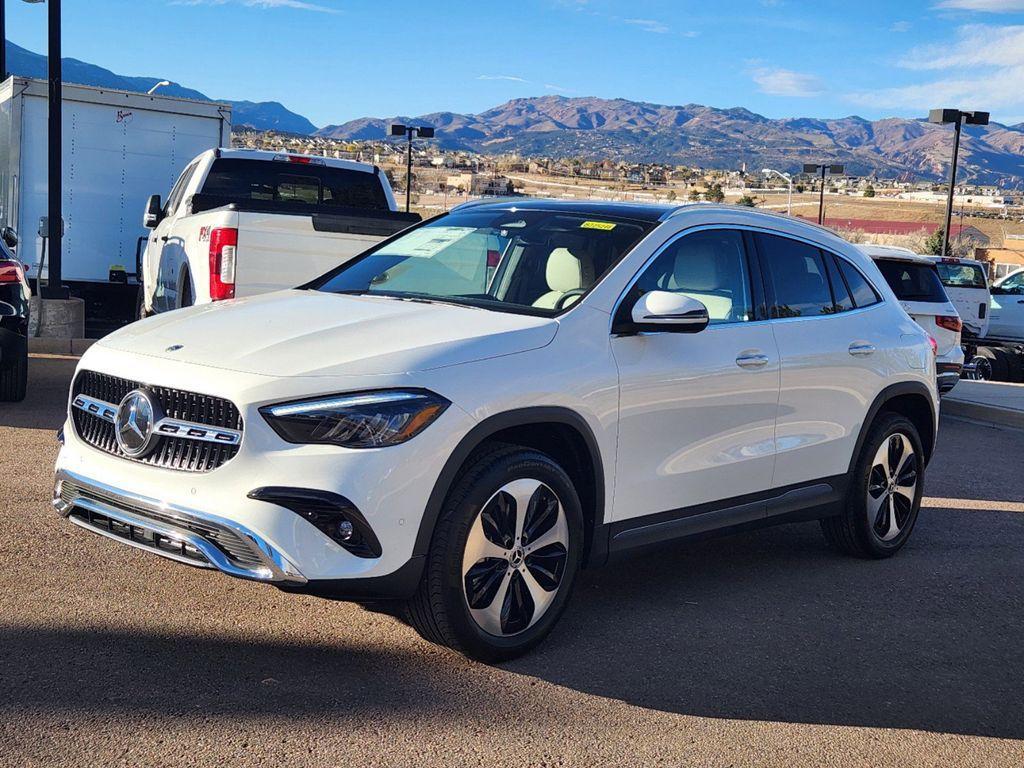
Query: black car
x=14, y=296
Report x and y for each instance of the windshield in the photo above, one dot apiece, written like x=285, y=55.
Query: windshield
x=539, y=262
x=962, y=275
x=912, y=281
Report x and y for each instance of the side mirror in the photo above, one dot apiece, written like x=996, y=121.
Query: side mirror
x=10, y=237
x=154, y=212
x=672, y=312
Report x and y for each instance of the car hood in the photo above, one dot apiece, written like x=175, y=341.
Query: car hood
x=310, y=333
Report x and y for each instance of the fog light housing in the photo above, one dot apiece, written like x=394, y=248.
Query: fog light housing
x=332, y=514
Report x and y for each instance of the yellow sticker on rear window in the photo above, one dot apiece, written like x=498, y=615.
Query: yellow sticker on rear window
x=605, y=225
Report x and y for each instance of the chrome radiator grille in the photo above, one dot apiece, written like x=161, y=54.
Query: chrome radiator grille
x=201, y=432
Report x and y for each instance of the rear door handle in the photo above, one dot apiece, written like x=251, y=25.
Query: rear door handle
x=861, y=349
x=752, y=360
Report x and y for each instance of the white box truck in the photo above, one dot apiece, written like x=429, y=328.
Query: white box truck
x=118, y=147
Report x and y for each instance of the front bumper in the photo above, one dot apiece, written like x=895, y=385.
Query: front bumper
x=185, y=535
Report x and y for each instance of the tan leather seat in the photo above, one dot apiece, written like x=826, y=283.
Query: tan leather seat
x=564, y=273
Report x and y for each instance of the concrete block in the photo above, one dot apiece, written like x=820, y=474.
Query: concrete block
x=49, y=346
x=78, y=346
x=57, y=318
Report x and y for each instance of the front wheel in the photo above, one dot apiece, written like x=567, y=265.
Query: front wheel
x=503, y=558
x=885, y=491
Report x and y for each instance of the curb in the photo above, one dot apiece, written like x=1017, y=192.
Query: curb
x=993, y=414
x=47, y=345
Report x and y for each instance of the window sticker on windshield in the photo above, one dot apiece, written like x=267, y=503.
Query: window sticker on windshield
x=603, y=225
x=428, y=241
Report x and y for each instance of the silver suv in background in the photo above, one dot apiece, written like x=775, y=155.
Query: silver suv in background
x=915, y=281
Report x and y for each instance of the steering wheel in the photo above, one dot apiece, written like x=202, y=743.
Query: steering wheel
x=560, y=303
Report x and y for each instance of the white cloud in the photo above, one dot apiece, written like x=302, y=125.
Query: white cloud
x=298, y=5
x=900, y=26
x=776, y=81
x=985, y=6
x=512, y=78
x=983, y=68
x=649, y=25
x=557, y=88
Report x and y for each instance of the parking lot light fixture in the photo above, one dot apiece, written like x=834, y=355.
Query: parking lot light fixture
x=957, y=117
x=424, y=132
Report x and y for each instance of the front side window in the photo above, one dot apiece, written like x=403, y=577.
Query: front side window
x=178, y=190
x=912, y=281
x=798, y=276
x=538, y=262
x=1013, y=285
x=710, y=266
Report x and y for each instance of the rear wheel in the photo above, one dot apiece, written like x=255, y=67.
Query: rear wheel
x=14, y=373
x=885, y=492
x=504, y=556
x=998, y=365
x=186, y=293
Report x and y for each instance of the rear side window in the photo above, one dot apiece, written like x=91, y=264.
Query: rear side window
x=238, y=180
x=961, y=275
x=798, y=277
x=864, y=295
x=840, y=293
x=912, y=281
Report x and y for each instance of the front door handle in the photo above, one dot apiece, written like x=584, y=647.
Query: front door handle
x=752, y=360
x=861, y=349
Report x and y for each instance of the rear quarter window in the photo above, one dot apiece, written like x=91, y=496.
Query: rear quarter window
x=912, y=281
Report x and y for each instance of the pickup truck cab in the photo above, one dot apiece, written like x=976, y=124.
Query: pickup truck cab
x=1008, y=307
x=244, y=222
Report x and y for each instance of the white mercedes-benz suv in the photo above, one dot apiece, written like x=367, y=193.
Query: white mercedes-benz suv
x=466, y=414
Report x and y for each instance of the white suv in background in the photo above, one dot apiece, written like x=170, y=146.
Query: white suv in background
x=464, y=415
x=915, y=281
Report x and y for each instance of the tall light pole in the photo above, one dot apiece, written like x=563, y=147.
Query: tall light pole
x=789, y=181
x=823, y=168
x=957, y=117
x=424, y=132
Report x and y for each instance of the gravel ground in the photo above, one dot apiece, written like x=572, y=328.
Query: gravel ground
x=761, y=649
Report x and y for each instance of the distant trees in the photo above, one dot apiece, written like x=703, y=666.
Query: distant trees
x=715, y=194
x=671, y=196
x=869, y=191
x=694, y=194
x=800, y=188
x=747, y=201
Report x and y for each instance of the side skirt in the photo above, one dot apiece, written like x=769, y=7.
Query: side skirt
x=810, y=501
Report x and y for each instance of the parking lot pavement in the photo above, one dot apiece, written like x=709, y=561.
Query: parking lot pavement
x=761, y=649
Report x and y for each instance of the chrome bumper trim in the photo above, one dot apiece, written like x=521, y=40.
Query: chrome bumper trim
x=272, y=566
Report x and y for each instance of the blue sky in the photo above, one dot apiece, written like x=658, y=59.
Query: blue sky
x=334, y=60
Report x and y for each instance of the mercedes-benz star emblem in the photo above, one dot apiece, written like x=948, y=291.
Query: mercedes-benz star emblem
x=134, y=422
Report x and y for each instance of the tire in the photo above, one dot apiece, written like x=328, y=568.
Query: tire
x=476, y=595
x=1014, y=366
x=186, y=293
x=997, y=362
x=868, y=529
x=14, y=374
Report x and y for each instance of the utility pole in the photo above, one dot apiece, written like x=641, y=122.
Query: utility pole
x=54, y=288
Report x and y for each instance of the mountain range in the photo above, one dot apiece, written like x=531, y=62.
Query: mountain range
x=265, y=115
x=620, y=129
x=594, y=128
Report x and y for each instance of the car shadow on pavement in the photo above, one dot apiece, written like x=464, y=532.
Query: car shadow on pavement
x=774, y=626
x=45, y=405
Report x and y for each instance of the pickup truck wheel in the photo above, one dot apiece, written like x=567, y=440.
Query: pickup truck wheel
x=14, y=374
x=885, y=492
x=503, y=558
x=997, y=361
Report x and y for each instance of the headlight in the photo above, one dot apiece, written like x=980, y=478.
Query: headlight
x=357, y=420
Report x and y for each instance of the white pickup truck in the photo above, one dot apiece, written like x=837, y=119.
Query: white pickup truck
x=243, y=222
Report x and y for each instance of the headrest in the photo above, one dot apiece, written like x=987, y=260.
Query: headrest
x=696, y=268
x=563, y=271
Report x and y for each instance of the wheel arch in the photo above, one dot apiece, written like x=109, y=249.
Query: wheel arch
x=907, y=398
x=556, y=431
